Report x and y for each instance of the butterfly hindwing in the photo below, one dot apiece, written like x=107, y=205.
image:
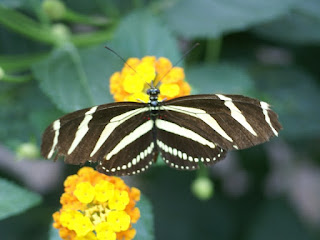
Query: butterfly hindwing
x=135, y=157
x=181, y=148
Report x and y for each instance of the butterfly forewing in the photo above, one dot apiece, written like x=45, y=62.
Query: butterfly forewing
x=89, y=134
x=230, y=121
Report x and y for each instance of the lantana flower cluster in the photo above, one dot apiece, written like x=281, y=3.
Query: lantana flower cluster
x=97, y=207
x=138, y=75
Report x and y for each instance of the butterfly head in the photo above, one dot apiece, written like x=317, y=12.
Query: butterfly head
x=153, y=96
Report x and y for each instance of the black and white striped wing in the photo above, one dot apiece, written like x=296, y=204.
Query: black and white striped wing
x=134, y=153
x=183, y=148
x=201, y=128
x=103, y=134
x=125, y=138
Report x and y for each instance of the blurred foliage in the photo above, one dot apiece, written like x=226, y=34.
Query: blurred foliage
x=53, y=61
x=11, y=196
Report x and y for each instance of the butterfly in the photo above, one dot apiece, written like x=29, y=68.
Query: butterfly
x=125, y=138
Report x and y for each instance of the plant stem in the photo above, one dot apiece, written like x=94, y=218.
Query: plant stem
x=17, y=79
x=87, y=39
x=20, y=62
x=72, y=16
x=24, y=25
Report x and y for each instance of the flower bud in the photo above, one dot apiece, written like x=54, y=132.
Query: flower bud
x=61, y=33
x=27, y=150
x=2, y=73
x=202, y=188
x=54, y=9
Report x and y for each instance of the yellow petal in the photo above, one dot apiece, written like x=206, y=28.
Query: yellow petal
x=138, y=97
x=84, y=192
x=104, y=190
x=133, y=83
x=169, y=90
x=146, y=71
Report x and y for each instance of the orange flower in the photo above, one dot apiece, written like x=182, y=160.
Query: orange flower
x=137, y=75
x=96, y=206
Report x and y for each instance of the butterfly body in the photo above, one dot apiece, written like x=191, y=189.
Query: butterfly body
x=125, y=138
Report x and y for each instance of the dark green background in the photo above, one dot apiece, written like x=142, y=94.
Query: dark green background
x=263, y=49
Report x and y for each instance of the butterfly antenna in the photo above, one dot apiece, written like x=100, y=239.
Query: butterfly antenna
x=180, y=59
x=123, y=60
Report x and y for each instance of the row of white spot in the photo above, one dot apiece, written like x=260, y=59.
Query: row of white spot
x=183, y=156
x=182, y=167
x=134, y=161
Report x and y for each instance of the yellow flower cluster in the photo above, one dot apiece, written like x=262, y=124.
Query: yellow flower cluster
x=97, y=207
x=137, y=75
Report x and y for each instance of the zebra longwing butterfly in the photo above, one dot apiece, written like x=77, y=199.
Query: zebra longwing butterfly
x=125, y=138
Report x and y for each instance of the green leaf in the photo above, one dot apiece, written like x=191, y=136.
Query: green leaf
x=25, y=112
x=212, y=18
x=218, y=78
x=276, y=220
x=145, y=225
x=301, y=26
x=140, y=34
x=76, y=79
x=292, y=94
x=15, y=200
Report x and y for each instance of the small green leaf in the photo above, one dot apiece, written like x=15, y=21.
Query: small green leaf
x=15, y=200
x=301, y=26
x=145, y=225
x=140, y=34
x=218, y=78
x=212, y=18
x=76, y=79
